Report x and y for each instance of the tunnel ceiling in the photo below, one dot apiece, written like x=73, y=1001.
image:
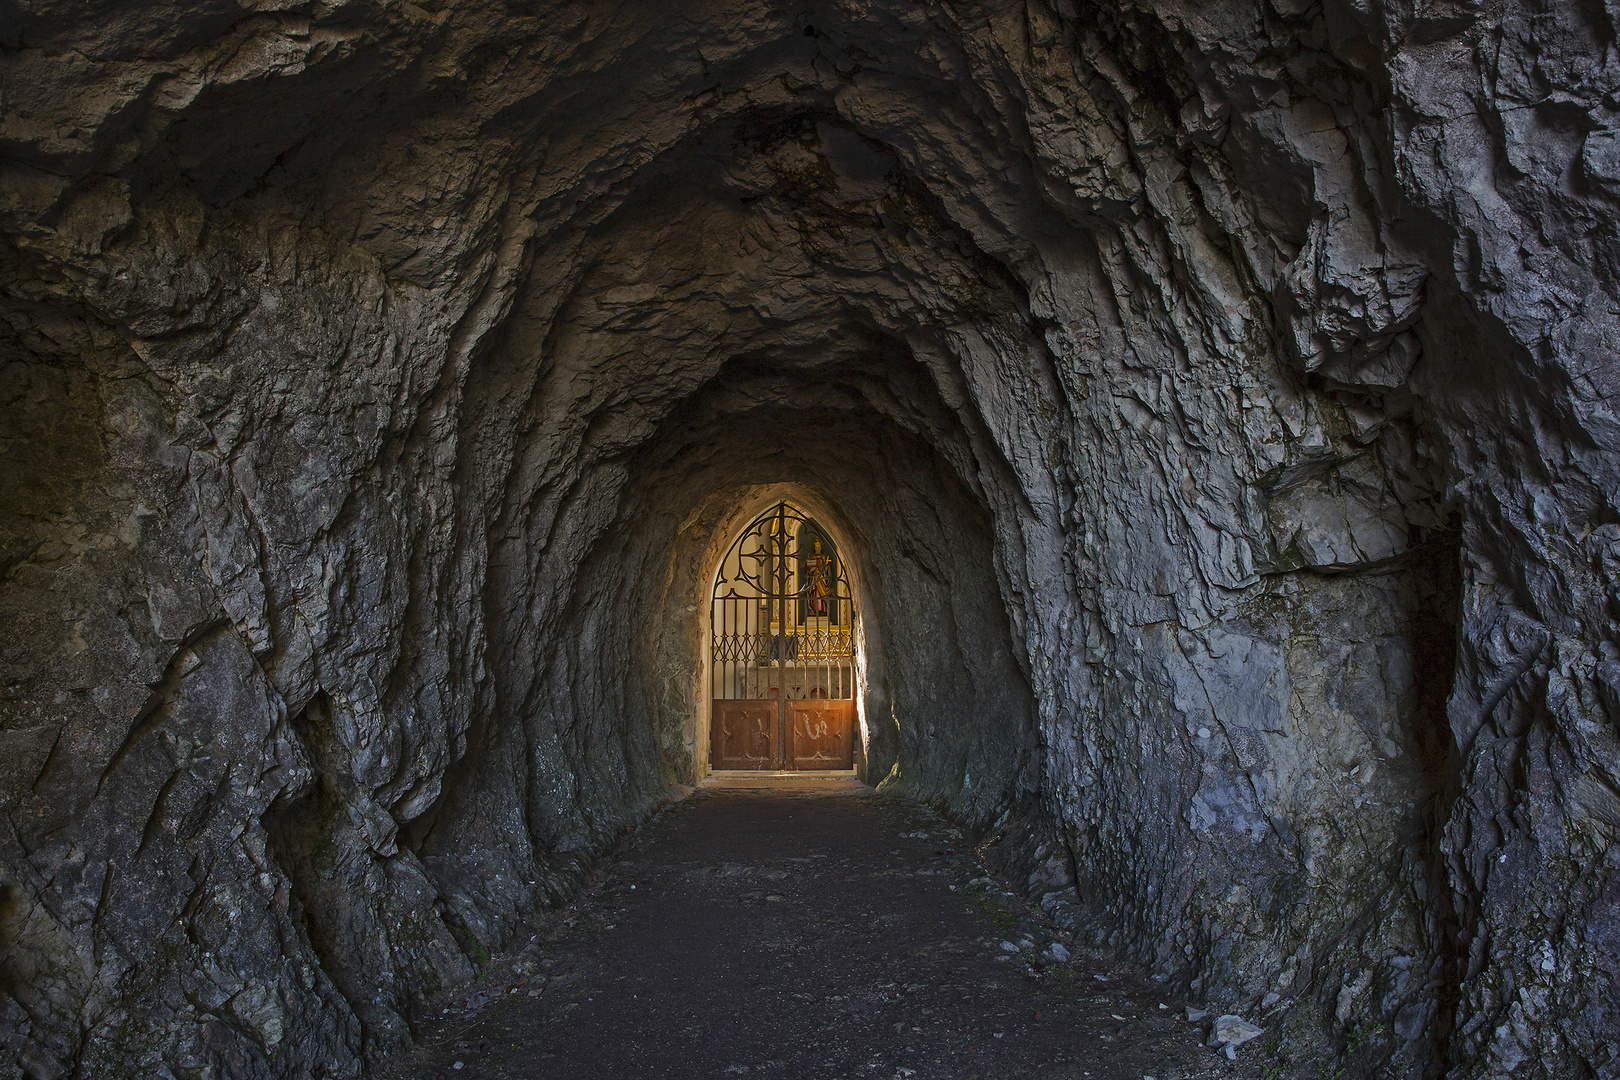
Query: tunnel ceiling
x=1214, y=402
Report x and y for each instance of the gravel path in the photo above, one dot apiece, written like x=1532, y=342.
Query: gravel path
x=797, y=929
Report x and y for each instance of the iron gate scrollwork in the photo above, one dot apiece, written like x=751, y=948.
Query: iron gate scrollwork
x=782, y=631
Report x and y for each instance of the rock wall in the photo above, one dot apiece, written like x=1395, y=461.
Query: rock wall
x=1217, y=400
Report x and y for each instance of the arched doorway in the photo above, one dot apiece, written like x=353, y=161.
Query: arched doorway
x=782, y=649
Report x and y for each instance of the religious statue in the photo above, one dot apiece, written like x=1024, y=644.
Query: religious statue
x=818, y=570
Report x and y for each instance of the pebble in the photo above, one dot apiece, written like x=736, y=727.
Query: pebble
x=1007, y=946
x=1232, y=1031
x=1057, y=952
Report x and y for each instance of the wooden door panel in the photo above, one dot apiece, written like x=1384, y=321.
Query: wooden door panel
x=822, y=730
x=744, y=734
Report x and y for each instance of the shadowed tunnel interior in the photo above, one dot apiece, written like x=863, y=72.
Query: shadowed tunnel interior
x=1214, y=405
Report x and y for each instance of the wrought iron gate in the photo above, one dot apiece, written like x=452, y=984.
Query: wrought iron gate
x=782, y=649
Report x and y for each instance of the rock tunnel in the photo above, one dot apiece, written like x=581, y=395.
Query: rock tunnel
x=1216, y=404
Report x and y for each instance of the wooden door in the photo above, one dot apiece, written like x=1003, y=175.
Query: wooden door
x=748, y=734
x=821, y=733
x=745, y=734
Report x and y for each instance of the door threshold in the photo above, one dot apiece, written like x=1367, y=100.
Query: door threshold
x=786, y=774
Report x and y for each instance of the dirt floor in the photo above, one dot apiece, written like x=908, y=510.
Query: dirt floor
x=805, y=928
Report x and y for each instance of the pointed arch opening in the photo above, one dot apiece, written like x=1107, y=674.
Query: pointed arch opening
x=782, y=639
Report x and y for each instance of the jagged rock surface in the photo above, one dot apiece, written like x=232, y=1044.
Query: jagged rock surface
x=1217, y=401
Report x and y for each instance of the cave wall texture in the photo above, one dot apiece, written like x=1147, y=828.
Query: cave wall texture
x=1217, y=401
